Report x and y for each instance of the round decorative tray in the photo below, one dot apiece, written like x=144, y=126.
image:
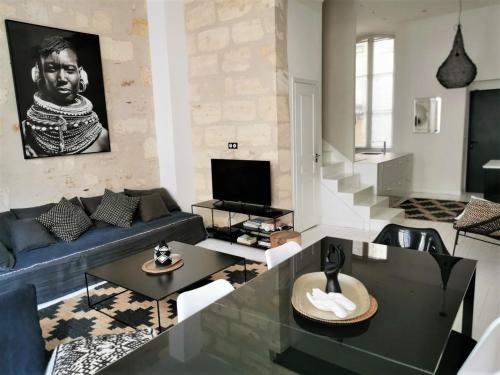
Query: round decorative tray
x=152, y=268
x=366, y=305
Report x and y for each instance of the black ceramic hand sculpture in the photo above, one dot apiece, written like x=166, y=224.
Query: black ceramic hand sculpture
x=333, y=264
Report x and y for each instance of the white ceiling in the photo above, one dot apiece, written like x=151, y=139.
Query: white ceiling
x=383, y=16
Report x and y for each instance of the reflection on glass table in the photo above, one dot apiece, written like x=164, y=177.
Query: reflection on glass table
x=255, y=330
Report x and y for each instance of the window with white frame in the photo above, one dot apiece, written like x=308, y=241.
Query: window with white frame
x=374, y=92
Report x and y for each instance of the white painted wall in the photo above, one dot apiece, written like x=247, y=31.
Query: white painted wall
x=304, y=50
x=170, y=86
x=339, y=59
x=421, y=46
x=304, y=39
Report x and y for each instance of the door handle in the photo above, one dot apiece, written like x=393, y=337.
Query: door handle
x=316, y=157
x=471, y=144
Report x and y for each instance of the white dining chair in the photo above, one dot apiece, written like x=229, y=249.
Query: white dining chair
x=484, y=358
x=278, y=254
x=189, y=303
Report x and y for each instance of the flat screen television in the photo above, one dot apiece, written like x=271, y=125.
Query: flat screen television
x=247, y=181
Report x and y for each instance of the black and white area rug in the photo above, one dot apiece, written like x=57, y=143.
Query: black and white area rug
x=432, y=209
x=72, y=318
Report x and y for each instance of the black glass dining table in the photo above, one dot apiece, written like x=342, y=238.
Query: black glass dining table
x=255, y=329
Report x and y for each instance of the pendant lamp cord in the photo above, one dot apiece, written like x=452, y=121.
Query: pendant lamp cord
x=459, y=12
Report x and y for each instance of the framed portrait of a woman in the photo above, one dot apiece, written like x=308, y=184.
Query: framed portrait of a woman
x=59, y=90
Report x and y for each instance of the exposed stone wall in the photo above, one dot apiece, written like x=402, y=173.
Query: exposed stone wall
x=123, y=30
x=239, y=87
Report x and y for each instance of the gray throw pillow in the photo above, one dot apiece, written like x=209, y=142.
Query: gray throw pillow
x=90, y=204
x=29, y=234
x=152, y=207
x=5, y=219
x=32, y=212
x=76, y=202
x=66, y=220
x=7, y=260
x=116, y=209
x=164, y=194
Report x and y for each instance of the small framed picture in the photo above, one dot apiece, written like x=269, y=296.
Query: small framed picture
x=427, y=115
x=59, y=90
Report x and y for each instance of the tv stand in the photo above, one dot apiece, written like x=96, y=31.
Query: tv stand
x=234, y=230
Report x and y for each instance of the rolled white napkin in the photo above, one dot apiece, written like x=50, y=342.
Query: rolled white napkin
x=337, y=303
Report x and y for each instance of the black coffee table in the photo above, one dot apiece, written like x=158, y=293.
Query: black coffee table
x=199, y=264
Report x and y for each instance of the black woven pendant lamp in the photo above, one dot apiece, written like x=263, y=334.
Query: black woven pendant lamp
x=457, y=70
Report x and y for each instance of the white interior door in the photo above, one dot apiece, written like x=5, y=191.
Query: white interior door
x=307, y=159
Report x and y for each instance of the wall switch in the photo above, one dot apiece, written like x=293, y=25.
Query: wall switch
x=232, y=145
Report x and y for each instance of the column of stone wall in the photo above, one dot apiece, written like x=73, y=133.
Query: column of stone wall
x=239, y=87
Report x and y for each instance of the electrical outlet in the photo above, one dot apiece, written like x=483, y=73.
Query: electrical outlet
x=232, y=145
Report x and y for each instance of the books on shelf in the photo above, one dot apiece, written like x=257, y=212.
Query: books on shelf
x=264, y=242
x=265, y=224
x=255, y=223
x=247, y=239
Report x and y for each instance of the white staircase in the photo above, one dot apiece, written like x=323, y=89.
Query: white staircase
x=346, y=202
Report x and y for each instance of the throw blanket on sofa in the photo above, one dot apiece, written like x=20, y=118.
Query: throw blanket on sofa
x=481, y=217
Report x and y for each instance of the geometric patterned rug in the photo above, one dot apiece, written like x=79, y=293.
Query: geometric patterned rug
x=69, y=319
x=432, y=209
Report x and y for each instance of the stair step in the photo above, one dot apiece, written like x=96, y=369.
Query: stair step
x=332, y=169
x=355, y=194
x=390, y=214
x=343, y=181
x=373, y=201
x=372, y=205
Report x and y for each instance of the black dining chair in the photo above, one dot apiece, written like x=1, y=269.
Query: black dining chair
x=459, y=345
x=421, y=239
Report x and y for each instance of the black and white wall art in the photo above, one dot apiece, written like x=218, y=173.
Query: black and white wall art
x=59, y=90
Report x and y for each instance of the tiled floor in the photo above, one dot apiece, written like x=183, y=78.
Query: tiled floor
x=487, y=297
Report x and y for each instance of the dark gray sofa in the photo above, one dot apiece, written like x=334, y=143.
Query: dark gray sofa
x=59, y=269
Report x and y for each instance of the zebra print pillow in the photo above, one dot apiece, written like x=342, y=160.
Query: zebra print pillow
x=86, y=356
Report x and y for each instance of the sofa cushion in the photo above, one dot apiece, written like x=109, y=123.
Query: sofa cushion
x=22, y=349
x=31, y=212
x=165, y=195
x=5, y=219
x=29, y=234
x=152, y=207
x=106, y=237
x=66, y=220
x=116, y=209
x=7, y=260
x=90, y=205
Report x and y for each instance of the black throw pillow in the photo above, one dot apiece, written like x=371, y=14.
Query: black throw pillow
x=152, y=207
x=7, y=260
x=76, y=202
x=31, y=212
x=5, y=219
x=90, y=205
x=66, y=220
x=116, y=209
x=29, y=234
x=164, y=194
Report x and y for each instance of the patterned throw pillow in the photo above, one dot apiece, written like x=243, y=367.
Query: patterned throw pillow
x=66, y=220
x=86, y=356
x=116, y=209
